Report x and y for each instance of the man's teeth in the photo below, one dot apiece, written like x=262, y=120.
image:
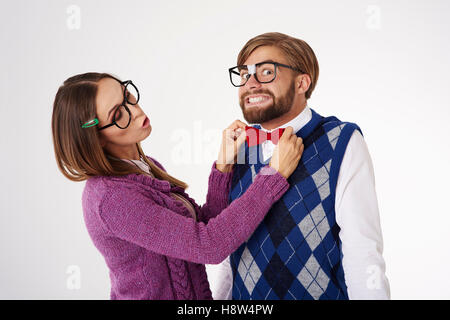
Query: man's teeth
x=257, y=99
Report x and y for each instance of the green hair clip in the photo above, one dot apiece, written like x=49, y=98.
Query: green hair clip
x=90, y=123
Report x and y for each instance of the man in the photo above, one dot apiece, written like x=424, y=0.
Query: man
x=322, y=239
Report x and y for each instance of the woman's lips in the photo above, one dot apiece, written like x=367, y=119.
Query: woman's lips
x=146, y=123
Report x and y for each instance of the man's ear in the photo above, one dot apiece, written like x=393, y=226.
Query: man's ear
x=302, y=83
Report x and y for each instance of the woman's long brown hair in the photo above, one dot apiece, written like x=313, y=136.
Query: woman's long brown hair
x=78, y=151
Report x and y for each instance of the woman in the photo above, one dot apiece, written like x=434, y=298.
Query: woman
x=155, y=239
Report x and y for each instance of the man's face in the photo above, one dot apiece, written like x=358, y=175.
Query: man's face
x=262, y=102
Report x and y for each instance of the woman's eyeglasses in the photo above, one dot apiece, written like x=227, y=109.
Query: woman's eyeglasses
x=122, y=115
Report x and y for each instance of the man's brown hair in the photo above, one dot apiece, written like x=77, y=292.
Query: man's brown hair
x=298, y=53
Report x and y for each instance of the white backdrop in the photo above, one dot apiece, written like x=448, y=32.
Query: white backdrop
x=383, y=64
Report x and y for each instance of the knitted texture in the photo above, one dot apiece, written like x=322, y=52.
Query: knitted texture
x=153, y=247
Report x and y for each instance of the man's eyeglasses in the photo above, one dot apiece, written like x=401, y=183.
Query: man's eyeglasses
x=122, y=115
x=264, y=72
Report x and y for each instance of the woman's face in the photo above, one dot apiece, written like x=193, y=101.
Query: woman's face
x=119, y=142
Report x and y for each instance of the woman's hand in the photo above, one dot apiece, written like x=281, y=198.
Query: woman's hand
x=287, y=153
x=232, y=138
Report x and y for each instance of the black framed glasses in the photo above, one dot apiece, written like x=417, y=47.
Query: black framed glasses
x=122, y=114
x=264, y=72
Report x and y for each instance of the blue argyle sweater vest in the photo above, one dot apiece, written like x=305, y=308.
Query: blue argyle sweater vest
x=295, y=253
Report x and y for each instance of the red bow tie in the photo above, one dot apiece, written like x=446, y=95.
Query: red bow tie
x=256, y=136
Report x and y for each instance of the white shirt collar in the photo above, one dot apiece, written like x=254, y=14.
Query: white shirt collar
x=140, y=163
x=298, y=122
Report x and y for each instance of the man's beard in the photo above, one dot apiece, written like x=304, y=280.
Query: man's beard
x=278, y=107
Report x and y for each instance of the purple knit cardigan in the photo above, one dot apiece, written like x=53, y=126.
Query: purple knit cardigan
x=153, y=247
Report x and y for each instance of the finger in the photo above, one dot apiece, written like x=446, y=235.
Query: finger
x=241, y=138
x=294, y=138
x=302, y=147
x=237, y=124
x=240, y=124
x=240, y=128
x=229, y=133
x=239, y=133
x=287, y=132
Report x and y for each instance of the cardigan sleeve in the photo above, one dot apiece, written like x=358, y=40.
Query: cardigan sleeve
x=219, y=184
x=134, y=217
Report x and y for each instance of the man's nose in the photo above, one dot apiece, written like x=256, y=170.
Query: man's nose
x=252, y=82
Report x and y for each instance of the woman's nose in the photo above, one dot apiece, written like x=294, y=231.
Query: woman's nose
x=135, y=110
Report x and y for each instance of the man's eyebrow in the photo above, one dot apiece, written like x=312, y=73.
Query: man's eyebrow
x=265, y=61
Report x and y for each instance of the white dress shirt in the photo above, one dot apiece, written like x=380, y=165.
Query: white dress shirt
x=357, y=215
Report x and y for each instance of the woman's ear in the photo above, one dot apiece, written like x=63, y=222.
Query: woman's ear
x=302, y=83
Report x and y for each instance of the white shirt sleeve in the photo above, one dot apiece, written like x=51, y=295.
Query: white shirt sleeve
x=358, y=217
x=225, y=281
